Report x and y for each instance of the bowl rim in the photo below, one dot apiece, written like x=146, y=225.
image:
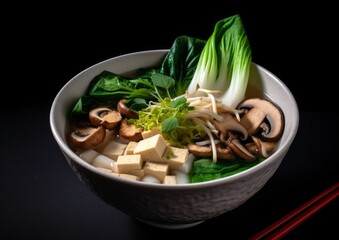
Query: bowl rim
x=74, y=157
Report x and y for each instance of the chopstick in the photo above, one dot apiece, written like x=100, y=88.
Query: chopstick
x=298, y=216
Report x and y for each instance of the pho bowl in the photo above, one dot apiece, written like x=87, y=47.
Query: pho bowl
x=180, y=205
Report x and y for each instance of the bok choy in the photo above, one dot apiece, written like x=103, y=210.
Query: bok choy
x=225, y=61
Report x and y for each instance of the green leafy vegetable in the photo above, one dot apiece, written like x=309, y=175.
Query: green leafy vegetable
x=169, y=124
x=170, y=80
x=224, y=63
x=108, y=88
x=205, y=170
x=181, y=62
x=162, y=81
x=169, y=116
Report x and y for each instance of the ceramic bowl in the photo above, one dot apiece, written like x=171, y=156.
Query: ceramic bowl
x=172, y=206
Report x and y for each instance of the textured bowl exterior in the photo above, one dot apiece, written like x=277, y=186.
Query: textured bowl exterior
x=172, y=204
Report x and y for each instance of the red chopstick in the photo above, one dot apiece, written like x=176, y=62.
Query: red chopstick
x=300, y=214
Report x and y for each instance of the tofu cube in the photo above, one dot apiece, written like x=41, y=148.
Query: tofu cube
x=127, y=176
x=126, y=163
x=187, y=166
x=170, y=179
x=130, y=148
x=175, y=157
x=151, y=149
x=105, y=170
x=157, y=170
x=150, y=133
x=114, y=149
x=137, y=172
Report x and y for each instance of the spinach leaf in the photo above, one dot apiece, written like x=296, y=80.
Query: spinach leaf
x=206, y=170
x=108, y=88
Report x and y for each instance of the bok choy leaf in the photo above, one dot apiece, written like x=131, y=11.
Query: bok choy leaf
x=225, y=61
x=181, y=62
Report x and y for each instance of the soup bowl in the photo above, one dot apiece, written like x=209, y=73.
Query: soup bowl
x=180, y=205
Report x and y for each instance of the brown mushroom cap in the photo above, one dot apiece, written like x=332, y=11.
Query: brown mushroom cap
x=126, y=111
x=105, y=116
x=87, y=137
x=259, y=111
x=130, y=131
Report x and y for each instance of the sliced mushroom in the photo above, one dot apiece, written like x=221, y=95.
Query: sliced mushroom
x=264, y=149
x=126, y=111
x=130, y=131
x=105, y=116
x=259, y=111
x=230, y=123
x=239, y=149
x=206, y=151
x=224, y=153
x=87, y=137
x=200, y=151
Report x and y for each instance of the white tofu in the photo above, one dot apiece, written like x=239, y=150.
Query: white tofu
x=101, y=161
x=114, y=149
x=157, y=170
x=88, y=155
x=170, y=179
x=126, y=163
x=151, y=149
x=150, y=133
x=187, y=166
x=130, y=148
x=137, y=172
x=176, y=157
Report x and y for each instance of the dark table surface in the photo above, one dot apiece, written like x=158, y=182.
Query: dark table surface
x=41, y=196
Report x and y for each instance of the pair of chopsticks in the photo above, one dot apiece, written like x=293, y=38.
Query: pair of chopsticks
x=293, y=219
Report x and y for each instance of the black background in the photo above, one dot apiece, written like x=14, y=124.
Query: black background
x=45, y=45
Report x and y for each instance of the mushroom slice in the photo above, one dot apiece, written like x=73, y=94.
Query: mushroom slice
x=200, y=151
x=105, y=116
x=126, y=111
x=264, y=148
x=252, y=148
x=130, y=131
x=87, y=137
x=230, y=123
x=240, y=150
x=206, y=151
x=259, y=111
x=225, y=153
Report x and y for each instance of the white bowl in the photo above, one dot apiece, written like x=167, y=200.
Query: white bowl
x=173, y=206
